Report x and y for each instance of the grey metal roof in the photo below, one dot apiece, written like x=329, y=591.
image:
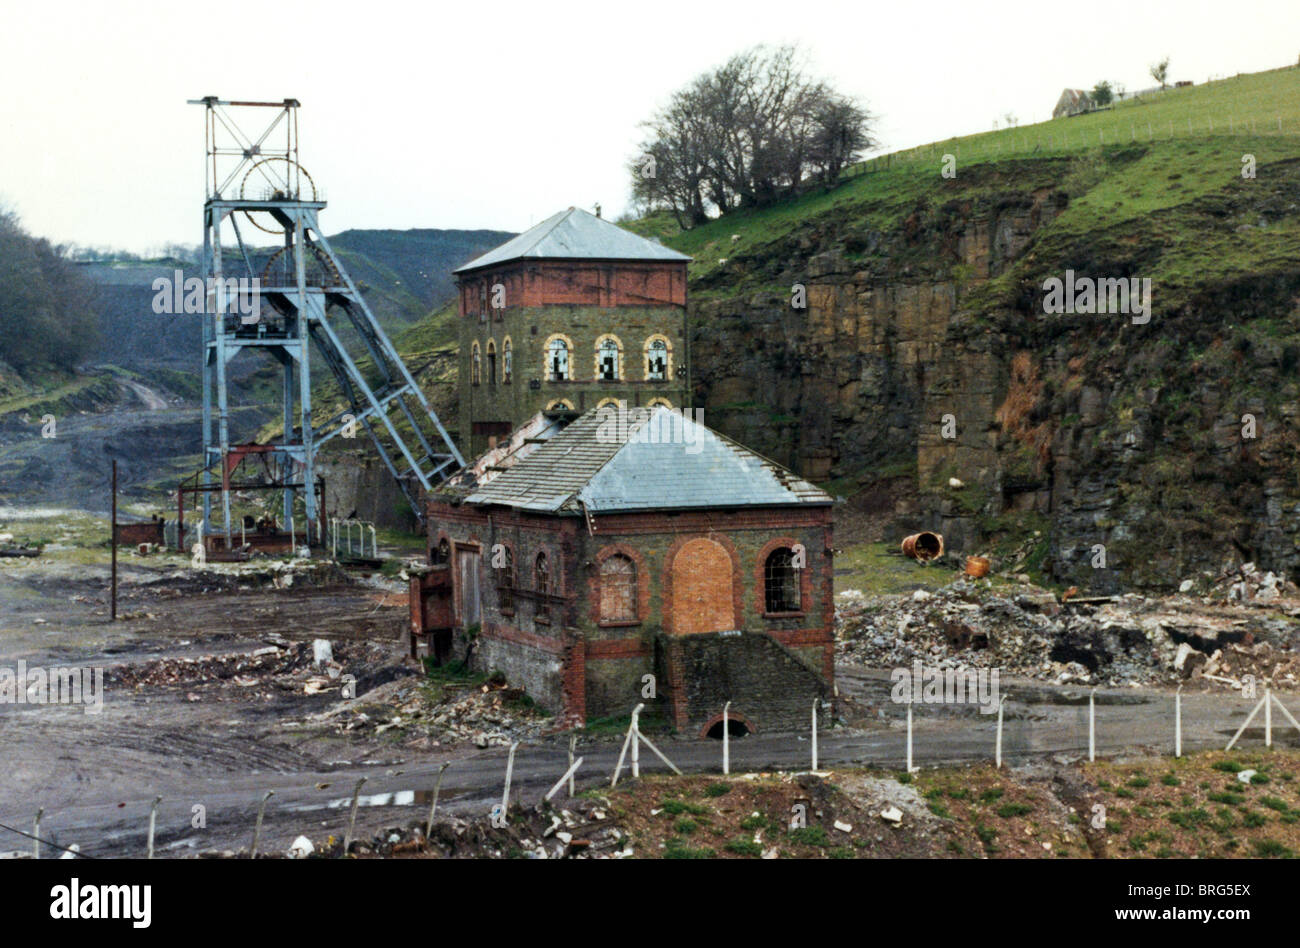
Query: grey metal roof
x=575, y=234
x=654, y=459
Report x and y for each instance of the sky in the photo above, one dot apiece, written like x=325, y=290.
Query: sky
x=498, y=114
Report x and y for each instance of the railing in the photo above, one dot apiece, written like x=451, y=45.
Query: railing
x=354, y=547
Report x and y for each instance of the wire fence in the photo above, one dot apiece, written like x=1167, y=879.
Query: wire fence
x=993, y=751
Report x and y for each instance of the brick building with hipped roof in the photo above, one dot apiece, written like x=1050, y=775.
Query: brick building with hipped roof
x=627, y=557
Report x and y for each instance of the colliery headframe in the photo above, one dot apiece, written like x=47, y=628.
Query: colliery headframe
x=303, y=295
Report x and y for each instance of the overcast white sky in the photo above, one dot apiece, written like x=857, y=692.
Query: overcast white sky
x=497, y=114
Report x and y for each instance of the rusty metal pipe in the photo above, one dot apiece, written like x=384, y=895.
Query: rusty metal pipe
x=923, y=547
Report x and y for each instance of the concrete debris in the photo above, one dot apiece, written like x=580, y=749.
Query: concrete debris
x=302, y=848
x=487, y=715
x=532, y=832
x=892, y=814
x=1024, y=630
x=289, y=667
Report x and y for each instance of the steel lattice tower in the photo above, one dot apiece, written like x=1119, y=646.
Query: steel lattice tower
x=306, y=296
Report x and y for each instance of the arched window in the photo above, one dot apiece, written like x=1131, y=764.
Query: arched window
x=507, y=363
x=506, y=581
x=542, y=583
x=618, y=589
x=492, y=362
x=557, y=360
x=781, y=582
x=656, y=359
x=476, y=364
x=560, y=404
x=441, y=553
x=659, y=401
x=607, y=359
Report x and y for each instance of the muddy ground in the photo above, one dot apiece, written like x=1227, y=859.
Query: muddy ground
x=215, y=694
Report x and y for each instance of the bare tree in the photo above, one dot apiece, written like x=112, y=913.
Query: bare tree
x=749, y=133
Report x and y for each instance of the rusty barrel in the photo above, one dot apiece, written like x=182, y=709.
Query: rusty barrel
x=977, y=566
x=923, y=546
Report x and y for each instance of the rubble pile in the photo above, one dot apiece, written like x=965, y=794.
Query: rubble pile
x=1026, y=631
x=1247, y=583
x=286, y=667
x=578, y=829
x=431, y=714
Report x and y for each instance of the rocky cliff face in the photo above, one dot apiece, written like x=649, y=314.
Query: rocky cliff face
x=1109, y=453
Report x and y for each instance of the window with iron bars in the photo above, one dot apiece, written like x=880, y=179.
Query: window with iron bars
x=781, y=582
x=542, y=582
x=506, y=582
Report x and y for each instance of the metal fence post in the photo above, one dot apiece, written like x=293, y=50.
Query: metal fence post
x=257, y=828
x=726, y=741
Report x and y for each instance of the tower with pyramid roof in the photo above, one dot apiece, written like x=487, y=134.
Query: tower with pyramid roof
x=572, y=314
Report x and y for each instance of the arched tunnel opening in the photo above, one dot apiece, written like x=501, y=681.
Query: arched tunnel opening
x=735, y=728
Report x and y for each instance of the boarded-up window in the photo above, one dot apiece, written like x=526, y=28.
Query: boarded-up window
x=618, y=589
x=470, y=614
x=781, y=582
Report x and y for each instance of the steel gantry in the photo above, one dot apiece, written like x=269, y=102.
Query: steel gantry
x=279, y=302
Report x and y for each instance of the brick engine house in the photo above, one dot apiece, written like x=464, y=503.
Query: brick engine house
x=573, y=313
x=580, y=556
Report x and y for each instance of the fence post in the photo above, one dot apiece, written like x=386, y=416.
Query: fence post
x=510, y=771
x=636, y=743
x=567, y=775
x=437, y=788
x=1092, y=727
x=153, y=821
x=1268, y=718
x=909, y=735
x=257, y=829
x=573, y=743
x=997, y=750
x=1178, y=722
x=352, y=819
x=36, y=834
x=814, y=734
x=726, y=741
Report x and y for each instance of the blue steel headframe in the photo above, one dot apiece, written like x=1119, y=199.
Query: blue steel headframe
x=303, y=289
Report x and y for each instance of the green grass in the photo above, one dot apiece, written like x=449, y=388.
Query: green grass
x=873, y=570
x=678, y=807
x=744, y=847
x=809, y=836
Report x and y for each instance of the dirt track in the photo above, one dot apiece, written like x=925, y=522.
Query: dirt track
x=221, y=746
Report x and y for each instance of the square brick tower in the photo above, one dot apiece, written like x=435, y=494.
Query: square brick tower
x=571, y=314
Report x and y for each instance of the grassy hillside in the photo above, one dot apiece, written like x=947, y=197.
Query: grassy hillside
x=1175, y=166
x=929, y=299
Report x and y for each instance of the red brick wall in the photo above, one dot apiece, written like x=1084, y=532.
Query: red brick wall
x=575, y=282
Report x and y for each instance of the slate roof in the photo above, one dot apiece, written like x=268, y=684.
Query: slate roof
x=653, y=459
x=575, y=235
